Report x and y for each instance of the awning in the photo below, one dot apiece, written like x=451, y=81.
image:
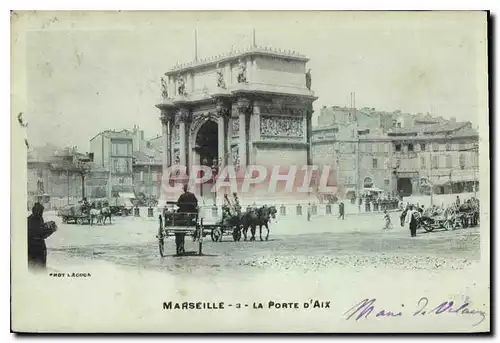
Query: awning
x=126, y=195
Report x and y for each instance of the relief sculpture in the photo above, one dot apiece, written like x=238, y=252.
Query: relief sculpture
x=235, y=156
x=281, y=127
x=176, y=133
x=177, y=158
x=235, y=126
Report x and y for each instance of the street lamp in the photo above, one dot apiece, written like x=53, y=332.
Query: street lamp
x=83, y=168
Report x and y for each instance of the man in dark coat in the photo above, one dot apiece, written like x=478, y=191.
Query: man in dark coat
x=341, y=210
x=37, y=233
x=187, y=203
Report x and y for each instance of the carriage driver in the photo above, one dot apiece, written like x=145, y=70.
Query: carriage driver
x=187, y=203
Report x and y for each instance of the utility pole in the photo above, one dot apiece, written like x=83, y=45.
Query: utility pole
x=430, y=174
x=358, y=163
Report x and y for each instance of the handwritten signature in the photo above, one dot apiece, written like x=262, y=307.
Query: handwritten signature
x=364, y=308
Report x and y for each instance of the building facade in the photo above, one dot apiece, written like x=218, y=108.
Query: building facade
x=400, y=154
x=113, y=151
x=56, y=177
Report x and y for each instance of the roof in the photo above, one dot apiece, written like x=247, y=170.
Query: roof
x=446, y=127
x=252, y=50
x=150, y=156
x=113, y=133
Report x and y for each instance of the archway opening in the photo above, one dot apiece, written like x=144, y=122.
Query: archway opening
x=207, y=143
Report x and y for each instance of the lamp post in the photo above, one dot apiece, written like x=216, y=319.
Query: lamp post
x=83, y=168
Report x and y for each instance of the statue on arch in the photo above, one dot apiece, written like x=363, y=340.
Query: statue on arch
x=164, y=88
x=181, y=86
x=242, y=71
x=220, y=78
x=308, y=79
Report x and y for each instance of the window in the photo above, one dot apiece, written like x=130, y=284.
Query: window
x=461, y=146
x=435, y=146
x=422, y=162
x=398, y=163
x=375, y=163
x=462, y=161
x=386, y=147
x=410, y=147
x=397, y=147
x=435, y=161
x=386, y=182
x=448, y=161
x=368, y=147
x=422, y=147
x=448, y=147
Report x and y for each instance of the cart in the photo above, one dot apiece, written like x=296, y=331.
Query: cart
x=218, y=231
x=74, y=214
x=431, y=220
x=172, y=223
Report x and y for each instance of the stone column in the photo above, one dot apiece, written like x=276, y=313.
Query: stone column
x=182, y=143
x=242, y=139
x=254, y=132
x=309, y=113
x=221, y=139
x=245, y=108
x=166, y=137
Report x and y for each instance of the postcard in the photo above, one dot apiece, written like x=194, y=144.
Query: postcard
x=248, y=172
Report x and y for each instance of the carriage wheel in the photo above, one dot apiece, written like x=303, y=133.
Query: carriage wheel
x=427, y=227
x=79, y=221
x=236, y=235
x=216, y=235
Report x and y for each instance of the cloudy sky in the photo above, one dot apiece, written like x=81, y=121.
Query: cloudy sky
x=90, y=72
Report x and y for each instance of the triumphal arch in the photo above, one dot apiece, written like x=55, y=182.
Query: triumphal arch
x=250, y=107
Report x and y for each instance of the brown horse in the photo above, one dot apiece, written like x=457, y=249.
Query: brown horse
x=258, y=217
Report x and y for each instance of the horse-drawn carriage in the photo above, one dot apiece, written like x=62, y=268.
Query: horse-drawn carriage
x=76, y=214
x=179, y=225
x=450, y=218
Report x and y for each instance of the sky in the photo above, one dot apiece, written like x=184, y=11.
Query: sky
x=88, y=72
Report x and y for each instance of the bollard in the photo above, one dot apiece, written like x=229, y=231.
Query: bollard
x=314, y=209
x=328, y=209
x=150, y=212
x=136, y=212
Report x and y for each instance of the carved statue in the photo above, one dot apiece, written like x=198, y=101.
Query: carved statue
x=164, y=89
x=220, y=78
x=181, y=86
x=308, y=79
x=242, y=70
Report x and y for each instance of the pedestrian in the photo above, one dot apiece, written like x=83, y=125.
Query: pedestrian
x=341, y=210
x=38, y=231
x=457, y=202
x=411, y=219
x=309, y=212
x=387, y=219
